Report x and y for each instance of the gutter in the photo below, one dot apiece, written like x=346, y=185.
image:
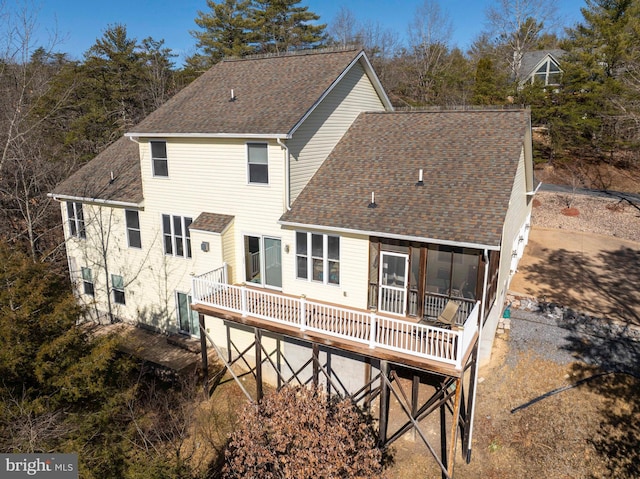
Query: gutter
x=82, y=199
x=287, y=176
x=390, y=236
x=258, y=136
x=480, y=326
x=532, y=193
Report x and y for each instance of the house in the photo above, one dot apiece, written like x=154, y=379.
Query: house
x=541, y=66
x=284, y=193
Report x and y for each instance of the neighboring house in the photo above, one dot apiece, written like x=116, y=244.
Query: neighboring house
x=542, y=67
x=291, y=174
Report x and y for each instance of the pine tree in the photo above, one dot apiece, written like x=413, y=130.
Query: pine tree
x=281, y=26
x=225, y=32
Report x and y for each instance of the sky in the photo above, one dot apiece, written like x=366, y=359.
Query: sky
x=79, y=23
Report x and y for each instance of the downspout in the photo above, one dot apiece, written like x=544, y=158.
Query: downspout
x=287, y=186
x=480, y=326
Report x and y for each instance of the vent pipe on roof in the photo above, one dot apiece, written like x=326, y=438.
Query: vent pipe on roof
x=373, y=200
x=233, y=96
x=112, y=179
x=420, y=182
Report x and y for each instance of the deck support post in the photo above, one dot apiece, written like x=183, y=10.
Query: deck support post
x=204, y=355
x=443, y=431
x=384, y=401
x=415, y=389
x=466, y=440
x=316, y=364
x=454, y=426
x=258, y=336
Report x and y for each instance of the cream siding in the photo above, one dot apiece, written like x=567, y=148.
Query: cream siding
x=354, y=267
x=318, y=135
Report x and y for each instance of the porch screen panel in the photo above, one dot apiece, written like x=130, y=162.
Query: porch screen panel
x=438, y=271
x=465, y=275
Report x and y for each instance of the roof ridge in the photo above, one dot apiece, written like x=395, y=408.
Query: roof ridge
x=458, y=109
x=294, y=53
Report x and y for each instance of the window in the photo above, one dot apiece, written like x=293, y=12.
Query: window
x=177, y=239
x=76, y=219
x=133, y=228
x=452, y=273
x=187, y=318
x=87, y=281
x=258, y=163
x=159, y=158
x=117, y=286
x=323, y=264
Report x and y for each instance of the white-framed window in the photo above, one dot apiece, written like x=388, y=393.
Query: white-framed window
x=76, y=219
x=318, y=257
x=257, y=163
x=159, y=162
x=176, y=235
x=132, y=219
x=117, y=286
x=87, y=281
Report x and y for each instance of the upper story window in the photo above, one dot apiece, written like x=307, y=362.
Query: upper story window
x=176, y=235
x=258, y=163
x=87, y=281
x=159, y=161
x=318, y=257
x=76, y=219
x=117, y=286
x=133, y=228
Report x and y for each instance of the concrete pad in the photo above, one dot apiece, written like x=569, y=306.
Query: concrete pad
x=590, y=273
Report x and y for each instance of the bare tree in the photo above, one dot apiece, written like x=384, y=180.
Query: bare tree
x=26, y=78
x=517, y=24
x=429, y=38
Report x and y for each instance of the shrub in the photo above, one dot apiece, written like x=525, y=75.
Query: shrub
x=300, y=433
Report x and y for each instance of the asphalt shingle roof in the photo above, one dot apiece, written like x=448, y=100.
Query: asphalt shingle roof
x=94, y=180
x=271, y=95
x=469, y=160
x=211, y=222
x=531, y=59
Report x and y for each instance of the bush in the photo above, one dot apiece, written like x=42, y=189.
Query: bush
x=299, y=433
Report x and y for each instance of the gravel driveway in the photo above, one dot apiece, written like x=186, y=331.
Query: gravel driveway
x=564, y=336
x=558, y=332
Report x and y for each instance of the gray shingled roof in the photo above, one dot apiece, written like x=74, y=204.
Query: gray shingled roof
x=469, y=160
x=211, y=222
x=531, y=59
x=93, y=180
x=271, y=95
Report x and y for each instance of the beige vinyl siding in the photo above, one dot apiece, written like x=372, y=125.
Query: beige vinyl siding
x=517, y=215
x=354, y=267
x=229, y=254
x=322, y=130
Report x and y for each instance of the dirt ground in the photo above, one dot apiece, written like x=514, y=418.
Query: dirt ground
x=587, y=423
x=590, y=273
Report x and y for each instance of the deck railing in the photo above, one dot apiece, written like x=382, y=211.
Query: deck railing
x=366, y=327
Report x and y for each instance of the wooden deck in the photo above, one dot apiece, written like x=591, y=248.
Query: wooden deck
x=367, y=333
x=153, y=347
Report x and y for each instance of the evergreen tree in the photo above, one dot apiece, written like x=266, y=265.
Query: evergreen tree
x=281, y=26
x=225, y=31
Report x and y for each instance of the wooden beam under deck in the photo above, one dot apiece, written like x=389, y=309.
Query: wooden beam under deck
x=379, y=353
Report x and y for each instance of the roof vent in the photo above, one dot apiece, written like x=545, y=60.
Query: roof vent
x=112, y=178
x=233, y=96
x=420, y=182
x=373, y=201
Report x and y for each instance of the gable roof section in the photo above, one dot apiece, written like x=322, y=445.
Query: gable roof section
x=94, y=183
x=469, y=160
x=271, y=95
x=532, y=60
x=211, y=222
